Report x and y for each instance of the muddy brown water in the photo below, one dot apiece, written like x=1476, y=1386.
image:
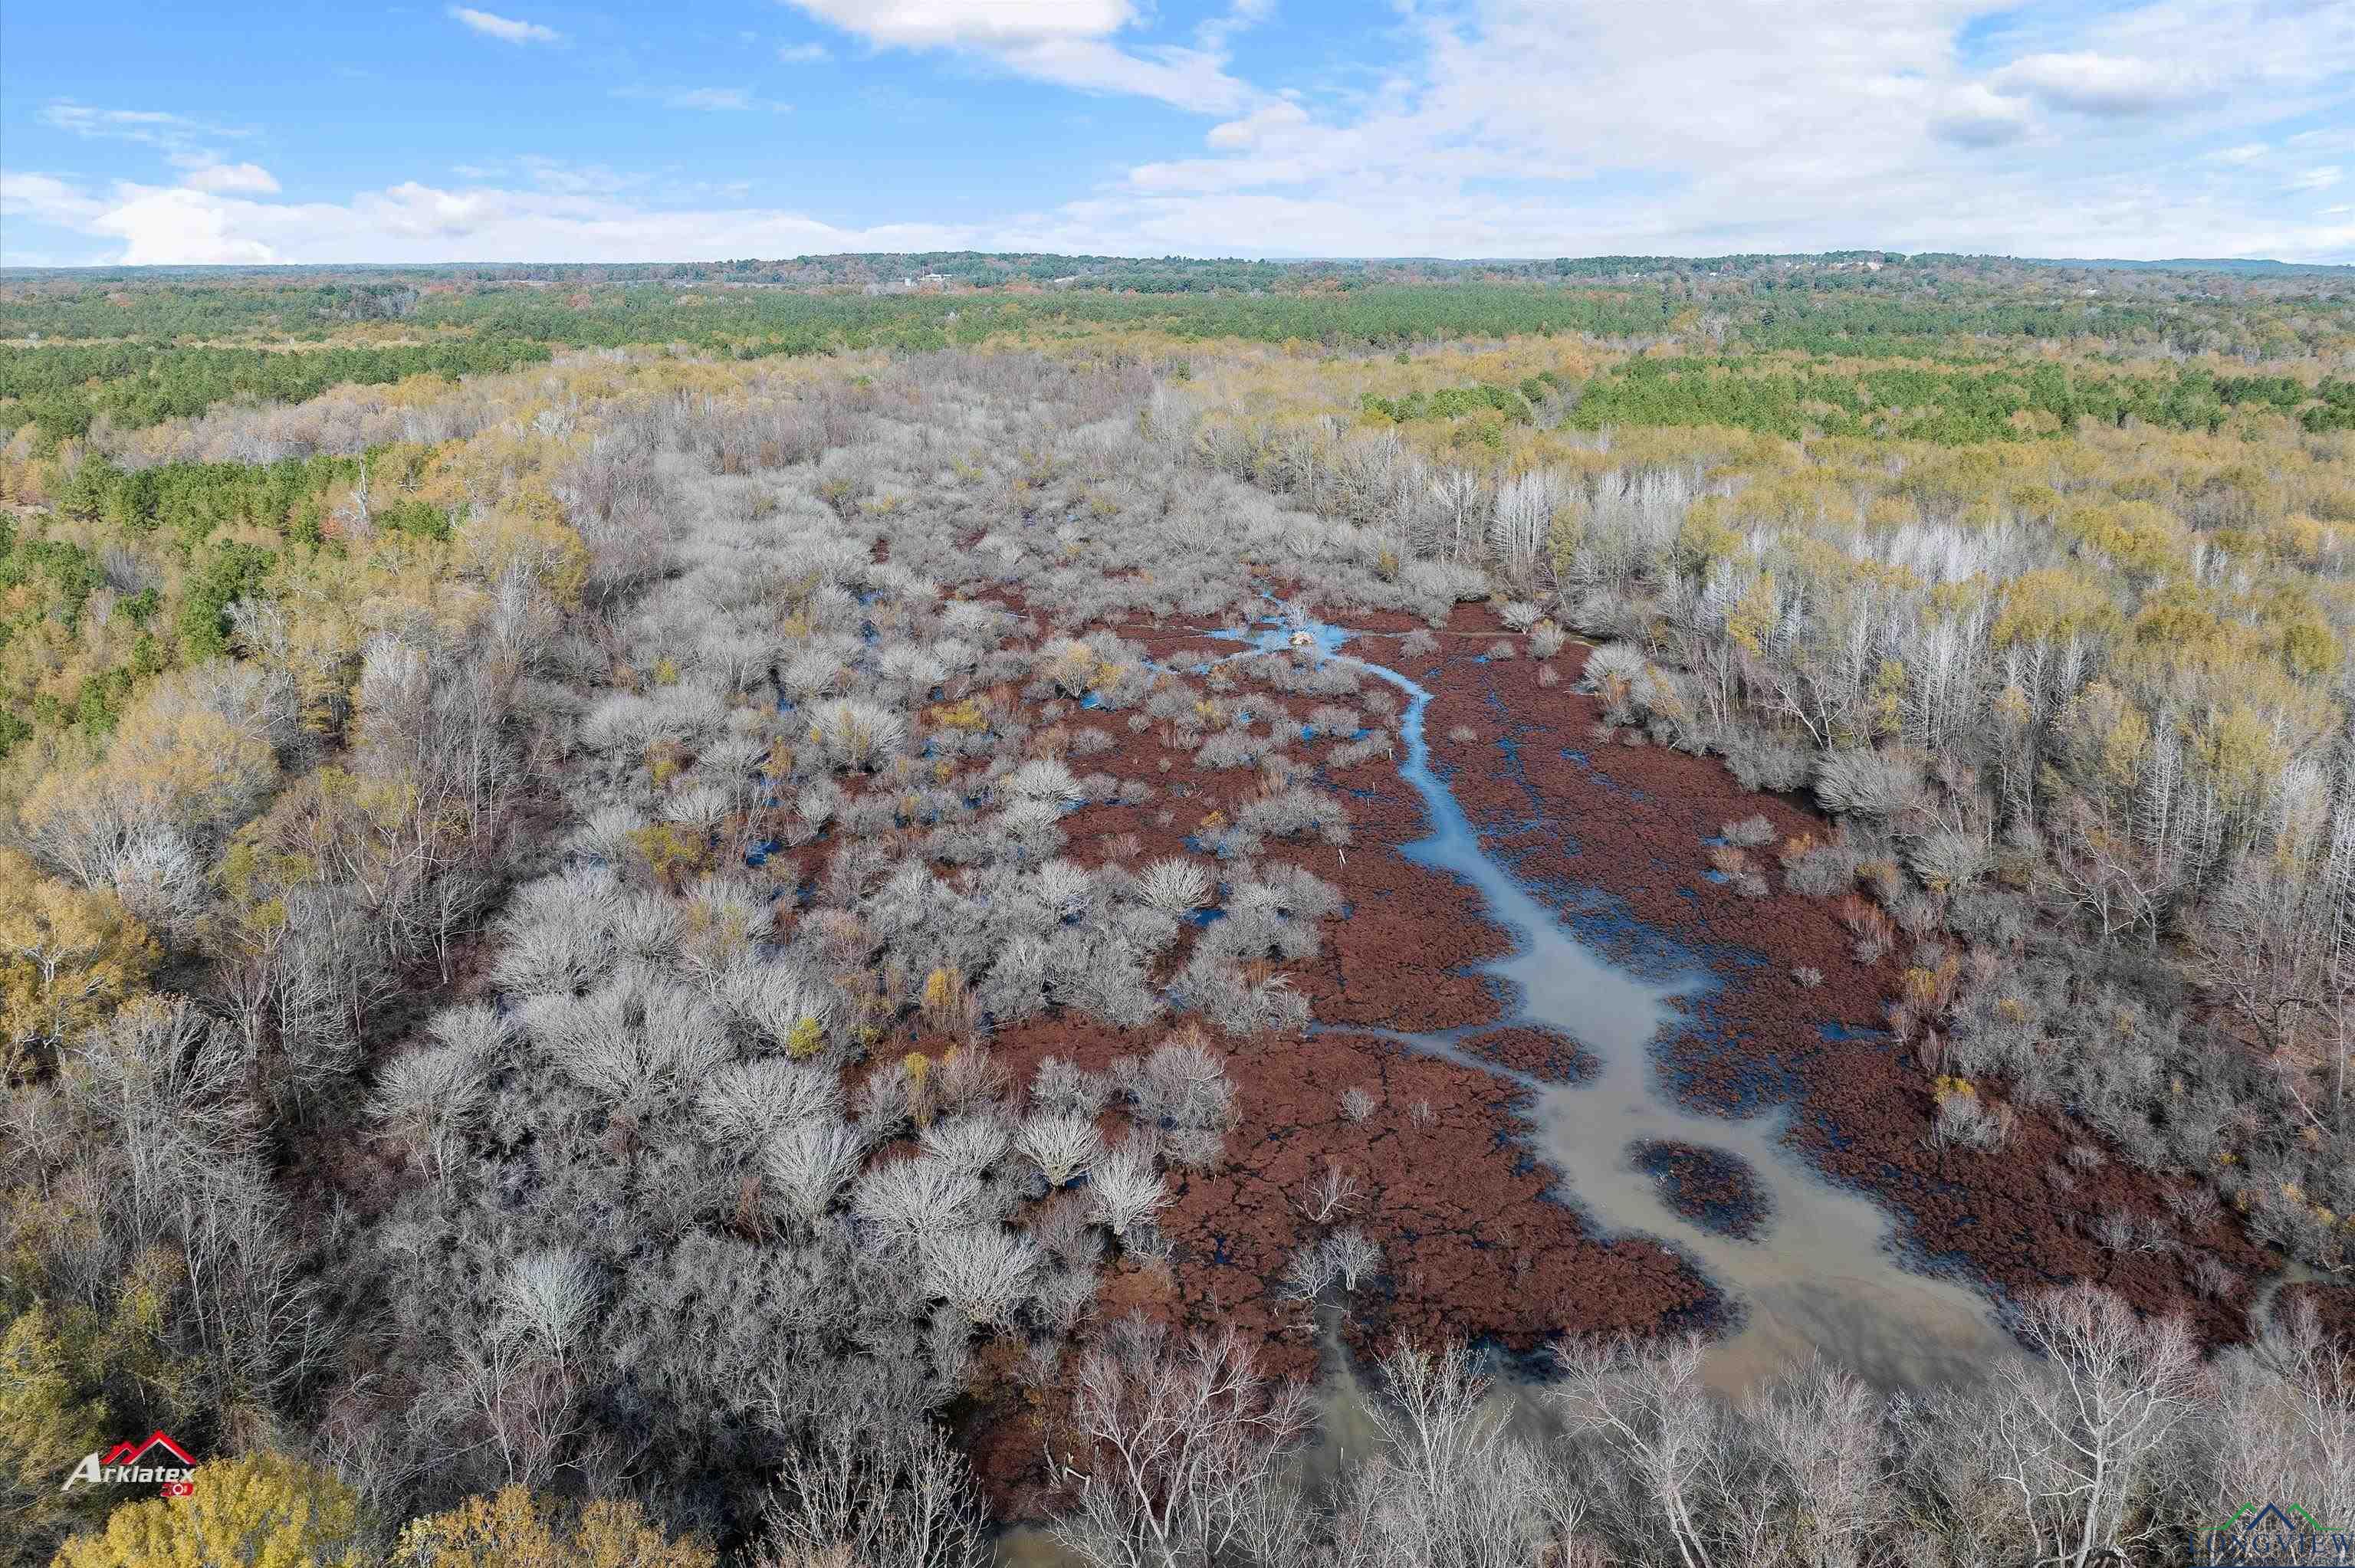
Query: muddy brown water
x=1821, y=1276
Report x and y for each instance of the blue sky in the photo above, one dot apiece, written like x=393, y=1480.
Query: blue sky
x=521, y=131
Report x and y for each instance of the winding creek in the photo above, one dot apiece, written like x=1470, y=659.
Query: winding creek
x=1821, y=1275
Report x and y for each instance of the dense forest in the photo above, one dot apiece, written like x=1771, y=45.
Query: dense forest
x=151, y=348
x=60, y=390
x=648, y=922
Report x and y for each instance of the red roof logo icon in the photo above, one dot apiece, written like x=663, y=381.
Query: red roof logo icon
x=131, y=1452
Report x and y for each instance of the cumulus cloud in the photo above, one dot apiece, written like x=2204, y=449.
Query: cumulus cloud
x=416, y=222
x=1974, y=116
x=1507, y=128
x=155, y=224
x=1703, y=126
x=507, y=29
x=1070, y=43
x=244, y=179
x=931, y=24
x=1257, y=127
x=44, y=198
x=2092, y=83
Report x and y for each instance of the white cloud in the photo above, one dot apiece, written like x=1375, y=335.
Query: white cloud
x=135, y=124
x=1258, y=127
x=46, y=199
x=413, y=222
x=1525, y=127
x=803, y=54
x=2339, y=139
x=723, y=100
x=180, y=136
x=1508, y=128
x=1070, y=43
x=931, y=23
x=1973, y=116
x=2092, y=83
x=710, y=100
x=507, y=29
x=1188, y=78
x=232, y=178
x=155, y=224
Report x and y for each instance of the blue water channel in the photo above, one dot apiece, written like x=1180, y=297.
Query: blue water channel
x=1822, y=1276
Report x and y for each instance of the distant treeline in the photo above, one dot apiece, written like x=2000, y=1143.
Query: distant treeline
x=1948, y=407
x=787, y=321
x=61, y=388
x=1841, y=306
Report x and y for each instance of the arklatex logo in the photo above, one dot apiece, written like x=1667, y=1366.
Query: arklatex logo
x=128, y=1462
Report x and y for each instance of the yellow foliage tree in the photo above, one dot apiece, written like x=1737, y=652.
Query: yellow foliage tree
x=1703, y=538
x=175, y=756
x=671, y=854
x=45, y=1426
x=2054, y=604
x=1753, y=617
x=67, y=958
x=542, y=545
x=2111, y=734
x=514, y=1529
x=2239, y=752
x=264, y=1510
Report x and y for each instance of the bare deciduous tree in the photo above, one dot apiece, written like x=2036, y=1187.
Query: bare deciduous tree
x=1060, y=1146
x=1354, y=1255
x=2078, y=1436
x=1125, y=1187
x=1332, y=1194
x=1645, y=1410
x=807, y=1164
x=865, y=1494
x=1182, y=1441
x=984, y=1270
x=1821, y=1434
x=547, y=1298
x=1451, y=1486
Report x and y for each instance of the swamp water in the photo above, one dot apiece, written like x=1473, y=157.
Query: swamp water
x=1821, y=1274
